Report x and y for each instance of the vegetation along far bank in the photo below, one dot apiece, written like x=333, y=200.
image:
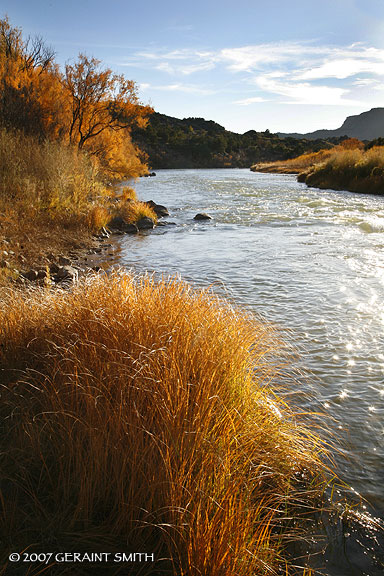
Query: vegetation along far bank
x=350, y=165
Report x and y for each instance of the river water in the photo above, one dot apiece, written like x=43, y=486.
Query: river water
x=311, y=262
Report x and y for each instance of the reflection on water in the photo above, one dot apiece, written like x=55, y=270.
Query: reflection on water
x=311, y=262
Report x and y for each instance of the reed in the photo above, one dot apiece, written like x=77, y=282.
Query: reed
x=140, y=415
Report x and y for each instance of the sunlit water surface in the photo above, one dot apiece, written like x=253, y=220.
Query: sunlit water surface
x=310, y=261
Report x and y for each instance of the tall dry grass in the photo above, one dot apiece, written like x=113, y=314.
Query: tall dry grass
x=141, y=416
x=294, y=165
x=133, y=210
x=354, y=170
x=45, y=177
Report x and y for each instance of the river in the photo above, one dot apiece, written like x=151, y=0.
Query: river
x=310, y=261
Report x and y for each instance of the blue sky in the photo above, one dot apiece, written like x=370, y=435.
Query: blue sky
x=293, y=65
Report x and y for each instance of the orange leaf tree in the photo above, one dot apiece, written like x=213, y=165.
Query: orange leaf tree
x=102, y=103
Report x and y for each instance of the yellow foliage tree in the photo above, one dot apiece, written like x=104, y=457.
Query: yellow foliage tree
x=104, y=108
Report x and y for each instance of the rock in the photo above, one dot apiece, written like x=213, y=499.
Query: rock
x=31, y=275
x=159, y=209
x=54, y=268
x=42, y=274
x=202, y=216
x=145, y=223
x=67, y=273
x=119, y=224
x=63, y=261
x=116, y=223
x=131, y=229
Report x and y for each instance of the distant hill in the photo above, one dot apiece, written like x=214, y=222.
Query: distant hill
x=198, y=143
x=365, y=126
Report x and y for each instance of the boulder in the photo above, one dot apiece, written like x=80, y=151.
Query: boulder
x=202, y=216
x=67, y=273
x=131, y=229
x=118, y=223
x=145, y=223
x=42, y=274
x=158, y=209
x=31, y=275
x=63, y=261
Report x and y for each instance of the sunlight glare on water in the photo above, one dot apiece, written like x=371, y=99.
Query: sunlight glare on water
x=310, y=261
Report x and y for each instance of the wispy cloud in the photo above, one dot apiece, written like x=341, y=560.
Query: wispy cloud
x=187, y=88
x=290, y=72
x=306, y=93
x=248, y=101
x=175, y=62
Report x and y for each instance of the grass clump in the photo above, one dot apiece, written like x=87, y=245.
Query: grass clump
x=51, y=198
x=140, y=415
x=133, y=210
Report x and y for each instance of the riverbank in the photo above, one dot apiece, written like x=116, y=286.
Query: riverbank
x=345, y=167
x=54, y=207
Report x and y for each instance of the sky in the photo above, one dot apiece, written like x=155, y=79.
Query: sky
x=286, y=66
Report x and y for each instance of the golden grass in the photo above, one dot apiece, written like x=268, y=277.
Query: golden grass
x=355, y=170
x=45, y=177
x=141, y=416
x=128, y=193
x=132, y=211
x=97, y=218
x=293, y=165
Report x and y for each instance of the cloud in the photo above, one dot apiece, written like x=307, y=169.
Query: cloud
x=187, y=88
x=248, y=101
x=299, y=72
x=182, y=62
x=306, y=93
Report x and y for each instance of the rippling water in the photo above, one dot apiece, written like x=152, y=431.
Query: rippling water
x=310, y=261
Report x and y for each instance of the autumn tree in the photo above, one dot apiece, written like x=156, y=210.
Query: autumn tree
x=87, y=106
x=31, y=88
x=101, y=101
